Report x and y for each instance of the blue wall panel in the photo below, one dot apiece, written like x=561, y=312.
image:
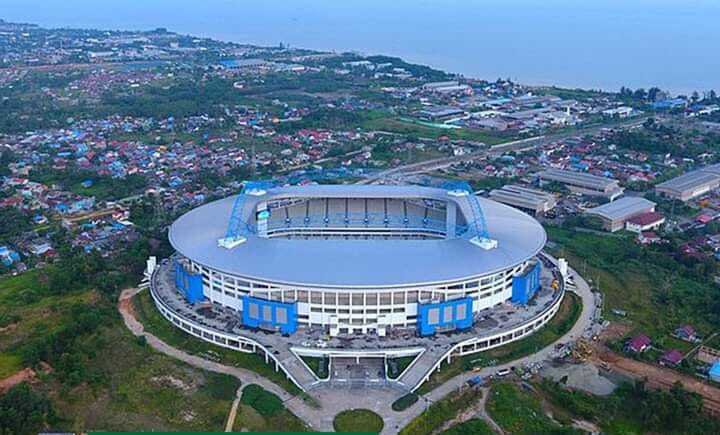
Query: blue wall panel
x=526, y=285
x=189, y=284
x=274, y=315
x=448, y=315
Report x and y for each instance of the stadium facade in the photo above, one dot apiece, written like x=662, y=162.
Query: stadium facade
x=394, y=268
x=357, y=259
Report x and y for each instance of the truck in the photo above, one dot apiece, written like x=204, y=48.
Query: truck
x=475, y=380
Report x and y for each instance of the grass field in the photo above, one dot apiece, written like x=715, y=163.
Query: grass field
x=263, y=411
x=565, y=318
x=441, y=411
x=474, y=426
x=358, y=420
x=400, y=126
x=518, y=412
x=156, y=324
x=319, y=366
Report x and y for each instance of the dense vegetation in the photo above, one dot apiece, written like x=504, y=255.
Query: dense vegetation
x=633, y=409
x=24, y=411
x=658, y=290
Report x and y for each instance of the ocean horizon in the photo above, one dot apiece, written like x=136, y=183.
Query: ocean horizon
x=592, y=44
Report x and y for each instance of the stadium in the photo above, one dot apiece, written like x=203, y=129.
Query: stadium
x=356, y=271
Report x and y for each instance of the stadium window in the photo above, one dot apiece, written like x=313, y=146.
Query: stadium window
x=316, y=297
x=385, y=310
x=412, y=296
x=357, y=299
x=343, y=299
x=456, y=287
x=330, y=298
x=385, y=298
x=371, y=299
x=398, y=297
x=302, y=296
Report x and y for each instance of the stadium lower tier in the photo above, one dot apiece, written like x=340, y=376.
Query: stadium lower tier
x=430, y=309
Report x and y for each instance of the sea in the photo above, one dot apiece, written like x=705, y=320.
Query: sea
x=594, y=44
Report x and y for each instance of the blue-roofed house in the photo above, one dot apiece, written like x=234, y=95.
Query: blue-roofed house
x=8, y=256
x=715, y=372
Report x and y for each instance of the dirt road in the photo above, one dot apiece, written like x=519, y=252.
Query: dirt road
x=661, y=377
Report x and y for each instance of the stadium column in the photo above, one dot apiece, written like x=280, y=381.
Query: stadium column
x=450, y=219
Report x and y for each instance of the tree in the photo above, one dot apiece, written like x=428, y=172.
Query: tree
x=23, y=411
x=653, y=93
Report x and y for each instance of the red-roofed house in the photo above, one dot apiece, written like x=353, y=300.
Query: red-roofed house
x=638, y=344
x=704, y=219
x=672, y=357
x=645, y=222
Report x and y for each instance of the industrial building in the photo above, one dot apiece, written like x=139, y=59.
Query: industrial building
x=691, y=184
x=580, y=182
x=615, y=214
x=526, y=199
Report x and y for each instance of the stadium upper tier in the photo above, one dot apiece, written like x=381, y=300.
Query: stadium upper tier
x=351, y=236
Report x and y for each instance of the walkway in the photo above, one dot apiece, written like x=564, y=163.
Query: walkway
x=334, y=400
x=233, y=409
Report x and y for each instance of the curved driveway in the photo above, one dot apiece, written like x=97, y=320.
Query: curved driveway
x=333, y=401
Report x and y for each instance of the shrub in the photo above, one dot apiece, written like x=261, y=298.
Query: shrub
x=263, y=401
x=405, y=402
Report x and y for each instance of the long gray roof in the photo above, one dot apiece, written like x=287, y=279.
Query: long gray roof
x=623, y=208
x=357, y=263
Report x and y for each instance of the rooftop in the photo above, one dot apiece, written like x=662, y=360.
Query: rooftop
x=622, y=208
x=578, y=178
x=357, y=263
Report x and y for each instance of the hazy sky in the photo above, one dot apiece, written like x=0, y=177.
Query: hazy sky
x=591, y=43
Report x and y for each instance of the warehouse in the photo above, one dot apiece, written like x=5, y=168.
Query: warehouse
x=615, y=214
x=586, y=184
x=526, y=199
x=691, y=184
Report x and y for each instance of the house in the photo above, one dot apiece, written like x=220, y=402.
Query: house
x=687, y=333
x=8, y=256
x=648, y=238
x=671, y=358
x=715, y=372
x=644, y=222
x=638, y=344
x=704, y=219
